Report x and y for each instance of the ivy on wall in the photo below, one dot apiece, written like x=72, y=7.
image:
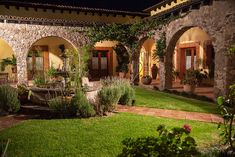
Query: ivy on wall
x=160, y=47
x=231, y=49
x=127, y=34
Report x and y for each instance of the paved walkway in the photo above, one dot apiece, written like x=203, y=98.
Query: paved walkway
x=203, y=117
x=9, y=121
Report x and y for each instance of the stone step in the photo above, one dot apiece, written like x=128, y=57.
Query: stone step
x=38, y=111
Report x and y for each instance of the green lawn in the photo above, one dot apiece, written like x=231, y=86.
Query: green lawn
x=99, y=137
x=156, y=99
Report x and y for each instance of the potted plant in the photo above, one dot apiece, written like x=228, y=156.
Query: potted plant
x=9, y=61
x=122, y=59
x=200, y=76
x=189, y=81
x=122, y=69
x=147, y=79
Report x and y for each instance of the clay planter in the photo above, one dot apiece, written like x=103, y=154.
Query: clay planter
x=146, y=80
x=154, y=70
x=189, y=88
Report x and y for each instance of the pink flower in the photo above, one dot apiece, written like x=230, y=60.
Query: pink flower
x=187, y=128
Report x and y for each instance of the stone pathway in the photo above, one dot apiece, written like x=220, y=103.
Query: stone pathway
x=9, y=121
x=203, y=117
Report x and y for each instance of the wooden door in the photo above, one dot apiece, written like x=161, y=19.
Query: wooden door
x=188, y=59
x=99, y=64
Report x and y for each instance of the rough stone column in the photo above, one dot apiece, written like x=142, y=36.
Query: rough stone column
x=22, y=76
x=230, y=77
x=165, y=71
x=135, y=67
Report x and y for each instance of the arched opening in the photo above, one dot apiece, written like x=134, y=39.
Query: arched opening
x=103, y=60
x=46, y=53
x=194, y=51
x=147, y=61
x=7, y=63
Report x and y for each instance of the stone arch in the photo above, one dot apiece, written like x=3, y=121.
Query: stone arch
x=210, y=19
x=22, y=36
x=49, y=48
x=6, y=51
x=147, y=45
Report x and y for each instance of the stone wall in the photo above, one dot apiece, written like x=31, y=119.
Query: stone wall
x=218, y=20
x=22, y=36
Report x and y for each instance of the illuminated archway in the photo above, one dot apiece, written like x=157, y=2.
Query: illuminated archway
x=191, y=48
x=46, y=53
x=6, y=71
x=146, y=60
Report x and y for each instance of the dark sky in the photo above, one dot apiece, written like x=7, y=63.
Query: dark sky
x=126, y=5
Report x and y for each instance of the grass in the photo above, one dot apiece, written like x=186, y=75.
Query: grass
x=98, y=137
x=157, y=99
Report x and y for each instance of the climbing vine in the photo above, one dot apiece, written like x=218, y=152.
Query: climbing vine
x=160, y=47
x=128, y=35
x=231, y=49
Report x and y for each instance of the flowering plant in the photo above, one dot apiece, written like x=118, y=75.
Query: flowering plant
x=175, y=142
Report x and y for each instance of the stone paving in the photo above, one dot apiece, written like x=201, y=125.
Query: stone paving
x=203, y=117
x=9, y=121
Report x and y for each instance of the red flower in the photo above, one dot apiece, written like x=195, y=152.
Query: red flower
x=187, y=128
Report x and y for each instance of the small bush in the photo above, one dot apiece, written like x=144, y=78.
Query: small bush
x=127, y=92
x=9, y=99
x=84, y=109
x=108, y=98
x=127, y=96
x=169, y=143
x=63, y=106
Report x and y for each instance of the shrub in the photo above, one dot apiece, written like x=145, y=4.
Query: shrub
x=127, y=96
x=9, y=99
x=227, y=111
x=108, y=98
x=127, y=92
x=169, y=143
x=84, y=109
x=63, y=106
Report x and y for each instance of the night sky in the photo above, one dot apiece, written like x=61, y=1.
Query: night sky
x=125, y=5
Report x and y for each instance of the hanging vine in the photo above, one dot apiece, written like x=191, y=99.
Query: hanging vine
x=127, y=34
x=160, y=51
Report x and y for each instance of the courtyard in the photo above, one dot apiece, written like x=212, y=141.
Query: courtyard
x=85, y=78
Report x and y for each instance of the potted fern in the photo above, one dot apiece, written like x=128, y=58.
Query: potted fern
x=9, y=61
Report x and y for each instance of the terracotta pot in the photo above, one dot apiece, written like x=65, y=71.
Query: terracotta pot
x=189, y=88
x=154, y=70
x=146, y=81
